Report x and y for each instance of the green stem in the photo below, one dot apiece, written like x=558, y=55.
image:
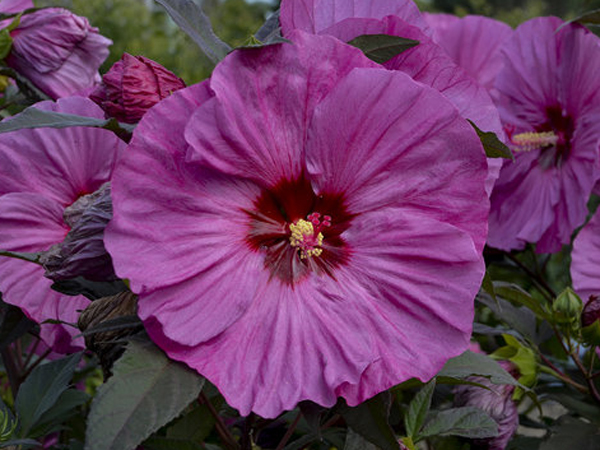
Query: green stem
x=544, y=288
x=228, y=439
x=12, y=371
x=30, y=257
x=289, y=432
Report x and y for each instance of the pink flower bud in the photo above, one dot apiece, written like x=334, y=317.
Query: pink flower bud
x=590, y=321
x=58, y=51
x=132, y=86
x=496, y=401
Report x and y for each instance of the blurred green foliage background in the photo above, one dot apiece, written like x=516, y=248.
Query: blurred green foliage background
x=141, y=27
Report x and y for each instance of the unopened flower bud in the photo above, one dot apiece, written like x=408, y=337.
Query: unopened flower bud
x=132, y=86
x=57, y=50
x=108, y=345
x=82, y=252
x=497, y=402
x=590, y=321
x=567, y=306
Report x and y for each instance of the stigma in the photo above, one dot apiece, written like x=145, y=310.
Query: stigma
x=306, y=235
x=533, y=141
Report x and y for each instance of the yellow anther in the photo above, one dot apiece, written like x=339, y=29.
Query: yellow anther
x=531, y=141
x=303, y=237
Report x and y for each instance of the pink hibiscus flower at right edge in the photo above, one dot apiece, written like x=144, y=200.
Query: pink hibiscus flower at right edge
x=549, y=100
x=305, y=225
x=585, y=259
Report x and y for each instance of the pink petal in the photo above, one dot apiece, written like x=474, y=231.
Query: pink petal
x=158, y=147
x=30, y=222
x=333, y=329
x=15, y=6
x=61, y=164
x=400, y=143
x=23, y=284
x=421, y=275
x=314, y=16
x=429, y=64
x=276, y=101
x=529, y=81
x=473, y=42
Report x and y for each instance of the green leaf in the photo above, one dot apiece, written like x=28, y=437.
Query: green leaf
x=64, y=408
x=572, y=433
x=466, y=422
x=518, y=318
x=5, y=43
x=29, y=257
x=333, y=436
x=418, y=409
x=41, y=390
x=355, y=441
x=147, y=390
x=591, y=17
x=13, y=323
x=25, y=85
x=476, y=364
x=451, y=381
x=270, y=32
x=576, y=403
x=494, y=147
x=165, y=443
x=193, y=426
x=521, y=356
x=24, y=443
x=370, y=419
x=37, y=118
x=90, y=289
x=312, y=414
x=192, y=20
x=488, y=285
x=382, y=47
x=516, y=294
x=129, y=322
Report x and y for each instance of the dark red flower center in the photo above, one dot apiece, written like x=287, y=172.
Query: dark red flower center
x=299, y=231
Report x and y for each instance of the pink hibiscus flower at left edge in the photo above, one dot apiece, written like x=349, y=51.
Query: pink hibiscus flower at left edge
x=427, y=63
x=312, y=226
x=42, y=172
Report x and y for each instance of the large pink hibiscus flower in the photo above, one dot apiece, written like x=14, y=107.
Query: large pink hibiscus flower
x=43, y=172
x=549, y=101
x=427, y=63
x=303, y=226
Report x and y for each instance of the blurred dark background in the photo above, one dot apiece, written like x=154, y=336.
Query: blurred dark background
x=141, y=27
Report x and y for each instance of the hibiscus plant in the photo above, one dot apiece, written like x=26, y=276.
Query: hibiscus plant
x=370, y=228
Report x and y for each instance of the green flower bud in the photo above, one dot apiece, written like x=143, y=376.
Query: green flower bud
x=567, y=307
